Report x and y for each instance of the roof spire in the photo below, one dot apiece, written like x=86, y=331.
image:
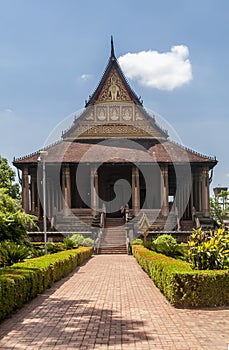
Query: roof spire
x=112, y=47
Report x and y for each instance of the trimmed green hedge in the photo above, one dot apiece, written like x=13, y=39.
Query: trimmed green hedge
x=181, y=285
x=22, y=282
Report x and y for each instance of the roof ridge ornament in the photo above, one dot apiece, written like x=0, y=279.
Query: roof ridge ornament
x=112, y=48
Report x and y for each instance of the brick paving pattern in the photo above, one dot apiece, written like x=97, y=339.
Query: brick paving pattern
x=110, y=303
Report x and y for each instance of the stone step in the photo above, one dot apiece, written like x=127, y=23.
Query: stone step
x=114, y=222
x=113, y=240
x=113, y=250
x=114, y=226
x=114, y=237
x=112, y=244
x=115, y=234
x=113, y=230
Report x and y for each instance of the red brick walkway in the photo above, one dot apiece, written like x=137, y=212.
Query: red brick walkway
x=110, y=303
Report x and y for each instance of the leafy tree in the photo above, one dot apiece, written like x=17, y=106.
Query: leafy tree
x=220, y=206
x=7, y=178
x=13, y=220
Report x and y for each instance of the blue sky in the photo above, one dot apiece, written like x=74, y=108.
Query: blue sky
x=53, y=54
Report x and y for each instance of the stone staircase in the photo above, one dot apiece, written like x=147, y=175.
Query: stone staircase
x=81, y=224
x=114, y=237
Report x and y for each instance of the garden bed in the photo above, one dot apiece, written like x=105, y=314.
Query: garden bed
x=181, y=285
x=22, y=282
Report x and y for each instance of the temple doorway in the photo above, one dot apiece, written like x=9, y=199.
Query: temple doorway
x=115, y=187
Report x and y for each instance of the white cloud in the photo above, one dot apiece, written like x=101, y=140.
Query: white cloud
x=227, y=175
x=85, y=77
x=8, y=110
x=164, y=71
x=7, y=114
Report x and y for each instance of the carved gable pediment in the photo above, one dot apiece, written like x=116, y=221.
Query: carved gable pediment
x=113, y=90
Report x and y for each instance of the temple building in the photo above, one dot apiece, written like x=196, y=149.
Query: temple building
x=115, y=155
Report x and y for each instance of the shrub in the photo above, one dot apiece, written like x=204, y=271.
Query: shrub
x=148, y=245
x=37, y=249
x=209, y=252
x=69, y=243
x=11, y=252
x=55, y=247
x=167, y=245
x=165, y=239
x=77, y=239
x=80, y=241
x=137, y=241
x=88, y=242
x=23, y=281
x=182, y=286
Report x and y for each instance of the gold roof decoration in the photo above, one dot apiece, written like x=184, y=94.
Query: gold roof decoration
x=113, y=90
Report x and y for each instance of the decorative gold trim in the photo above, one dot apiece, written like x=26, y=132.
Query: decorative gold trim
x=115, y=130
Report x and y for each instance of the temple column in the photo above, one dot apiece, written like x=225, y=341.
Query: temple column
x=49, y=200
x=205, y=192
x=164, y=190
x=66, y=183
x=57, y=196
x=194, y=191
x=60, y=200
x=39, y=193
x=179, y=198
x=187, y=200
x=51, y=209
x=39, y=208
x=25, y=189
x=135, y=189
x=33, y=188
x=53, y=198
x=94, y=189
x=199, y=190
